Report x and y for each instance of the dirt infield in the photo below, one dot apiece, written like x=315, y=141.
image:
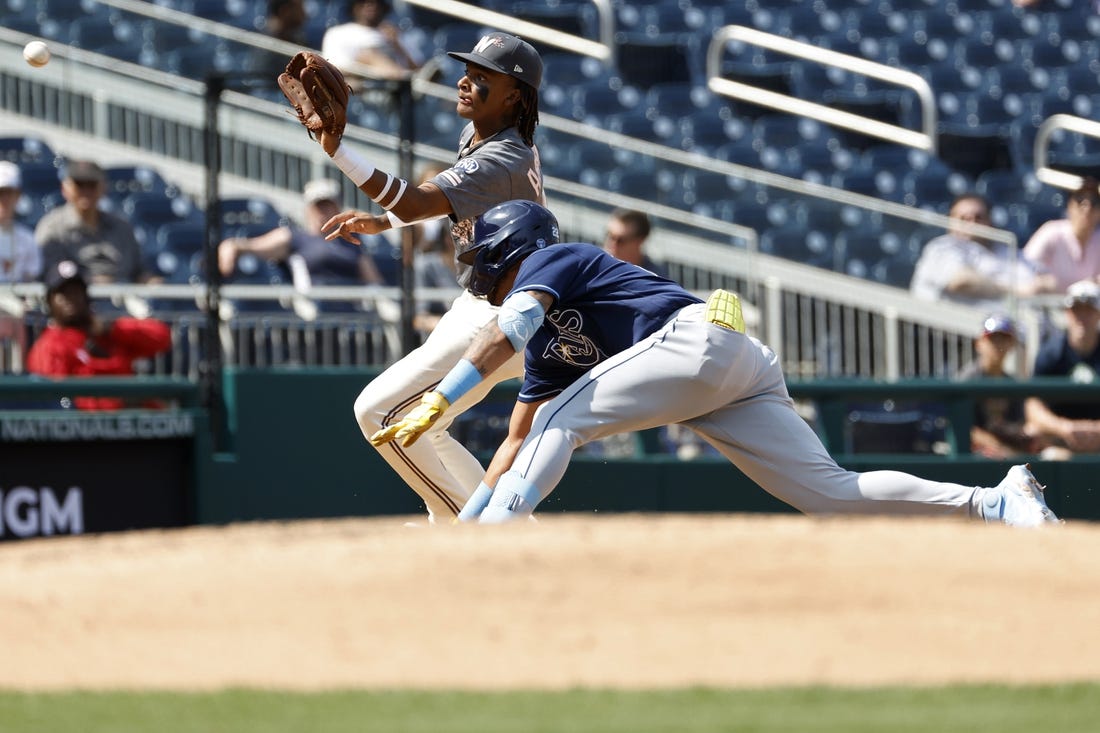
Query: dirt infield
x=610, y=601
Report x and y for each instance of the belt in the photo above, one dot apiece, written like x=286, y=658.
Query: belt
x=724, y=309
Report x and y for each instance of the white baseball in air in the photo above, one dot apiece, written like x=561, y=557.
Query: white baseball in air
x=36, y=53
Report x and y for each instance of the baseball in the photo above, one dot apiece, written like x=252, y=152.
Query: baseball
x=36, y=53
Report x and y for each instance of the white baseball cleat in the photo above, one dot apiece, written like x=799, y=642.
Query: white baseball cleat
x=1017, y=501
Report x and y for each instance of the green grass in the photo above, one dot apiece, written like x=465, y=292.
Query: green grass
x=1063, y=708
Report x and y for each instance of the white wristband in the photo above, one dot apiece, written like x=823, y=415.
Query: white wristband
x=354, y=167
x=395, y=221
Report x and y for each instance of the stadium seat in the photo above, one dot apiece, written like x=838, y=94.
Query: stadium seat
x=647, y=60
x=133, y=51
x=123, y=180
x=573, y=18
x=1001, y=186
x=95, y=32
x=973, y=150
x=168, y=253
x=248, y=216
x=793, y=242
x=148, y=210
x=26, y=149
x=40, y=177
x=253, y=270
x=932, y=188
x=165, y=37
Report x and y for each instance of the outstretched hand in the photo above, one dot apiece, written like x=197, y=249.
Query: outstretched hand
x=347, y=224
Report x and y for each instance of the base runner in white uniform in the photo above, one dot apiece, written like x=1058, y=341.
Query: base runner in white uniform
x=497, y=161
x=611, y=347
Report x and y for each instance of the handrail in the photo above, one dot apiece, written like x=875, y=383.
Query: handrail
x=604, y=50
x=1073, y=123
x=925, y=140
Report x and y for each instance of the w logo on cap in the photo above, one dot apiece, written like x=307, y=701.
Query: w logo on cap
x=486, y=41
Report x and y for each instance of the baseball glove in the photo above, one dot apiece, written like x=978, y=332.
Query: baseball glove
x=317, y=91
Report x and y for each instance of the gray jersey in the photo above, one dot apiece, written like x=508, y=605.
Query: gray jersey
x=108, y=252
x=501, y=168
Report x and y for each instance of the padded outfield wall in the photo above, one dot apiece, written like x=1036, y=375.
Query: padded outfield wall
x=297, y=452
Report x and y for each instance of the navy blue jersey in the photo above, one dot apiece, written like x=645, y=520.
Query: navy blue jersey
x=602, y=306
x=1056, y=358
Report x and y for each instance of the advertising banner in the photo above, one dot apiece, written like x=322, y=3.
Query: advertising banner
x=69, y=472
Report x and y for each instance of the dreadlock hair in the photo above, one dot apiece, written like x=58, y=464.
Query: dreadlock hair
x=528, y=116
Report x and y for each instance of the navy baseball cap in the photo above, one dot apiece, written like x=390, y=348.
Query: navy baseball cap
x=999, y=323
x=64, y=272
x=508, y=55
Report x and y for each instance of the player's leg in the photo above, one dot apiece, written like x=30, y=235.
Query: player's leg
x=437, y=467
x=665, y=378
x=769, y=442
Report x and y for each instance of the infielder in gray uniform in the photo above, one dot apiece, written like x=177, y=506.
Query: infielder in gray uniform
x=611, y=347
x=497, y=161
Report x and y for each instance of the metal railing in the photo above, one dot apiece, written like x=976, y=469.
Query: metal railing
x=813, y=318
x=925, y=139
x=1051, y=125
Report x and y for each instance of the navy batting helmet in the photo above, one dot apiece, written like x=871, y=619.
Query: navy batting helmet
x=504, y=236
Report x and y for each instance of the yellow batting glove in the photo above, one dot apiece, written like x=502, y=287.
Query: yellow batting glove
x=413, y=425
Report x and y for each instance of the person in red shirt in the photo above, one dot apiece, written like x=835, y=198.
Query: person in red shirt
x=78, y=343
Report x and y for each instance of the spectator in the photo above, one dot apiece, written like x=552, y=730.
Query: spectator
x=20, y=257
x=966, y=268
x=78, y=343
x=368, y=39
x=286, y=21
x=1075, y=353
x=627, y=231
x=101, y=243
x=998, y=428
x=1069, y=248
x=311, y=259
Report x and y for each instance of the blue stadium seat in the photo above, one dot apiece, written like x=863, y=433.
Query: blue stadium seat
x=647, y=60
x=216, y=10
x=123, y=180
x=596, y=100
x=781, y=130
x=997, y=81
x=1001, y=186
x=799, y=21
x=705, y=190
x=578, y=19
x=248, y=216
x=168, y=253
x=880, y=184
x=932, y=188
x=96, y=32
x=133, y=51
x=972, y=150
x=148, y=210
x=26, y=149
x=455, y=36
x=40, y=177
x=794, y=242
x=253, y=270
x=164, y=36
x=1043, y=55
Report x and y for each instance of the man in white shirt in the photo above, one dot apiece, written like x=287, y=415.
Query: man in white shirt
x=369, y=40
x=965, y=268
x=20, y=257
